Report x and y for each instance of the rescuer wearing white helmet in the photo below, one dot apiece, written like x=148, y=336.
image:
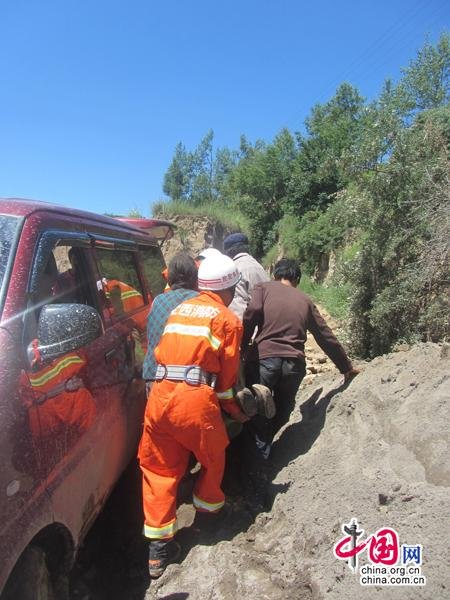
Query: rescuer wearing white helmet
x=198, y=360
x=206, y=252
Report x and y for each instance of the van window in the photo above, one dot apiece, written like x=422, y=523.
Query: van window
x=153, y=264
x=73, y=281
x=65, y=277
x=119, y=280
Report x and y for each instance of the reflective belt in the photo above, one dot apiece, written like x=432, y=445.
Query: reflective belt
x=73, y=384
x=190, y=374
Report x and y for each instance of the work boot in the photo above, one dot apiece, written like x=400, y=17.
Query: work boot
x=161, y=554
x=265, y=405
x=209, y=522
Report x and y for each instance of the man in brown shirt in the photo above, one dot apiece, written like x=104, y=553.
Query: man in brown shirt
x=283, y=315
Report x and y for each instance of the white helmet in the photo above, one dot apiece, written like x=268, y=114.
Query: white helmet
x=208, y=252
x=217, y=272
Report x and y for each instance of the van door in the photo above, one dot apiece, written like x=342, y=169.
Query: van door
x=75, y=407
x=126, y=304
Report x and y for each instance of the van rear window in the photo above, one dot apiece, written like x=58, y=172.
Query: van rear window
x=153, y=263
x=8, y=229
x=120, y=281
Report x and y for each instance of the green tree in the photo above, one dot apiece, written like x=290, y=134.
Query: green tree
x=401, y=276
x=333, y=130
x=424, y=85
x=426, y=81
x=202, y=171
x=259, y=184
x=177, y=178
x=200, y=176
x=370, y=176
x=224, y=163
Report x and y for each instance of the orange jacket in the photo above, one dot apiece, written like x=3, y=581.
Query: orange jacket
x=202, y=331
x=124, y=299
x=122, y=296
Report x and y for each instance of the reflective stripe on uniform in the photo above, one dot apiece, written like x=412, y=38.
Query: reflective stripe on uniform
x=191, y=374
x=56, y=370
x=208, y=506
x=165, y=531
x=130, y=294
x=125, y=293
x=226, y=395
x=194, y=331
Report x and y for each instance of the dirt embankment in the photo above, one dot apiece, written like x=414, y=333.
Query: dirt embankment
x=193, y=235
x=376, y=451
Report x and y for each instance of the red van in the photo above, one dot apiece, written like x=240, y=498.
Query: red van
x=75, y=292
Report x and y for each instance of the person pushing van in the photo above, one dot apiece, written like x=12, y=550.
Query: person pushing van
x=197, y=365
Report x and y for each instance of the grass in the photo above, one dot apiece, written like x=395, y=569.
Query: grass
x=333, y=298
x=271, y=257
x=226, y=216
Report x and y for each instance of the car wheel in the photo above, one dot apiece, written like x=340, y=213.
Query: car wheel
x=30, y=579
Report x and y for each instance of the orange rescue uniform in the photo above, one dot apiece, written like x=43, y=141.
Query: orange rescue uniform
x=125, y=299
x=128, y=297
x=181, y=418
x=60, y=402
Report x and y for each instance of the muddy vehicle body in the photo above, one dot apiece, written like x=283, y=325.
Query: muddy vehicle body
x=75, y=292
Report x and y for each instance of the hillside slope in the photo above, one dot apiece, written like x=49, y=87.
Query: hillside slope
x=377, y=451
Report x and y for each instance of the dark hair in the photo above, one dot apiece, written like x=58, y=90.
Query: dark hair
x=286, y=268
x=236, y=249
x=182, y=272
x=235, y=243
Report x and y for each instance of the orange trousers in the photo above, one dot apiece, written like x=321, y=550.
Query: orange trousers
x=180, y=419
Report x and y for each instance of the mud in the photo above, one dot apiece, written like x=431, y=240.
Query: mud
x=376, y=450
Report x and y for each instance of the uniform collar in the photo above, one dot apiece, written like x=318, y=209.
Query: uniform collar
x=241, y=254
x=213, y=296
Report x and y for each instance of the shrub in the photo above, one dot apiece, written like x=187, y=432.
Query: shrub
x=334, y=298
x=401, y=278
x=317, y=232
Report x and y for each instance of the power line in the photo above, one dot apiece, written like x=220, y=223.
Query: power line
x=382, y=59
x=373, y=50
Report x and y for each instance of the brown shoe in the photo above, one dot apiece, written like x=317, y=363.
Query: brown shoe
x=264, y=401
x=247, y=402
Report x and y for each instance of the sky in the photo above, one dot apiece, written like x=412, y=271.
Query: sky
x=95, y=94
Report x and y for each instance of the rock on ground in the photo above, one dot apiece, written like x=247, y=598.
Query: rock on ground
x=377, y=451
x=317, y=362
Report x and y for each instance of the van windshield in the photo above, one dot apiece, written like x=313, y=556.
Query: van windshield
x=8, y=229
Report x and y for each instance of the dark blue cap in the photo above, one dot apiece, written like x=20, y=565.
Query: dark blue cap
x=234, y=238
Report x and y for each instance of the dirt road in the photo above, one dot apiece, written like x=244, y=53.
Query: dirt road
x=376, y=451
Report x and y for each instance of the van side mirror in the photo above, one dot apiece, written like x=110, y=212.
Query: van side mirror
x=63, y=328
